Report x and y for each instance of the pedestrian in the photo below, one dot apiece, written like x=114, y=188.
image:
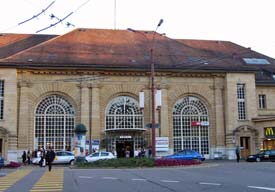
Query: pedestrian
x=237, y=151
x=24, y=157
x=42, y=157
x=150, y=152
x=50, y=155
x=29, y=157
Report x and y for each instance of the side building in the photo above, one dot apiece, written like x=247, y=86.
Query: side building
x=215, y=95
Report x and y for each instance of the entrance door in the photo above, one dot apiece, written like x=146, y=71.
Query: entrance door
x=245, y=146
x=1, y=150
x=124, y=147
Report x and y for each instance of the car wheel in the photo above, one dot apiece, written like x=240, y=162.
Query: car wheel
x=72, y=162
x=258, y=159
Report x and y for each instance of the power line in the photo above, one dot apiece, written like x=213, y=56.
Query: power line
x=55, y=23
x=60, y=20
x=35, y=16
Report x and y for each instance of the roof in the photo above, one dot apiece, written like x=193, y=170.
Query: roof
x=11, y=44
x=264, y=73
x=130, y=50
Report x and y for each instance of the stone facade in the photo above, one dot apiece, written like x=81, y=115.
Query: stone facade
x=52, y=85
x=90, y=99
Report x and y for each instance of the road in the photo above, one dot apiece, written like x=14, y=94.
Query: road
x=225, y=176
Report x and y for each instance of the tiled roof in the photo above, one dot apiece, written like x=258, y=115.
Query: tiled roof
x=130, y=50
x=264, y=73
x=13, y=43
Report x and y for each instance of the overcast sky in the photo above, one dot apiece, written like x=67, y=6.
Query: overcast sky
x=249, y=23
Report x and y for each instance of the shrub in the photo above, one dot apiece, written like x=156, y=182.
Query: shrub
x=120, y=162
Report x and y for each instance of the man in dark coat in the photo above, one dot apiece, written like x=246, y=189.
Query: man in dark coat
x=50, y=157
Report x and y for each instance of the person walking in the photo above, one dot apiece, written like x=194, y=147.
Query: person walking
x=50, y=155
x=24, y=157
x=29, y=157
x=42, y=157
x=237, y=151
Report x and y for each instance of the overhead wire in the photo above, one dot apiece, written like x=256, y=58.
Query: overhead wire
x=60, y=20
x=27, y=20
x=68, y=24
x=35, y=16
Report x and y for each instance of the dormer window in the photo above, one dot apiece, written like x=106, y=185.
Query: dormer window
x=256, y=61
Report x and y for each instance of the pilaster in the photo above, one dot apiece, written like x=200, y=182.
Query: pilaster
x=24, y=133
x=85, y=107
x=219, y=113
x=95, y=120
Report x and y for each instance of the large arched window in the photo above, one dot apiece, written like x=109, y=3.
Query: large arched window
x=123, y=113
x=54, y=123
x=190, y=125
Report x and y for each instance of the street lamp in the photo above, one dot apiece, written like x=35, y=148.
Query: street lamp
x=152, y=78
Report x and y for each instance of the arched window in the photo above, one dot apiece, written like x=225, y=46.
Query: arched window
x=123, y=113
x=190, y=125
x=54, y=123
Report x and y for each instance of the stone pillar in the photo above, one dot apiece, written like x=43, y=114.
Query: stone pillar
x=164, y=121
x=24, y=132
x=219, y=113
x=85, y=107
x=95, y=128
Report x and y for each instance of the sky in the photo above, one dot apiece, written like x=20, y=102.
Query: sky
x=249, y=23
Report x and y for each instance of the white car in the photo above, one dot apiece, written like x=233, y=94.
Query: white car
x=61, y=157
x=99, y=155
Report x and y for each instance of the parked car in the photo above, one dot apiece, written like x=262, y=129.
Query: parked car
x=265, y=155
x=1, y=161
x=99, y=155
x=61, y=157
x=186, y=155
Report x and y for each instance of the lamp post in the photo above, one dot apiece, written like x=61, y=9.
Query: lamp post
x=152, y=78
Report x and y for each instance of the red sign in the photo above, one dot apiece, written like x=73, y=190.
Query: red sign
x=196, y=123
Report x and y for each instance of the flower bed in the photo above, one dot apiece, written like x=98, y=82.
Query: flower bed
x=175, y=162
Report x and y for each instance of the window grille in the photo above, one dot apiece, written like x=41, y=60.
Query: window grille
x=262, y=101
x=186, y=135
x=1, y=99
x=54, y=123
x=123, y=113
x=241, y=101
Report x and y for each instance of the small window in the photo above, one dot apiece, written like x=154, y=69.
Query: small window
x=241, y=101
x=256, y=61
x=262, y=101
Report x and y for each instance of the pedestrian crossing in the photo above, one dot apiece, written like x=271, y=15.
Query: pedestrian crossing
x=9, y=180
x=47, y=182
x=50, y=181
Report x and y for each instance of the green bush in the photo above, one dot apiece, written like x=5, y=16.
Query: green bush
x=116, y=163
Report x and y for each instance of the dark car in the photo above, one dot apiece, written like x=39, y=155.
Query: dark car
x=1, y=161
x=265, y=155
x=186, y=155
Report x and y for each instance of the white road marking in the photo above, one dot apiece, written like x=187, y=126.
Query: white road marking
x=111, y=178
x=203, y=183
x=138, y=179
x=85, y=177
x=169, y=181
x=263, y=188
